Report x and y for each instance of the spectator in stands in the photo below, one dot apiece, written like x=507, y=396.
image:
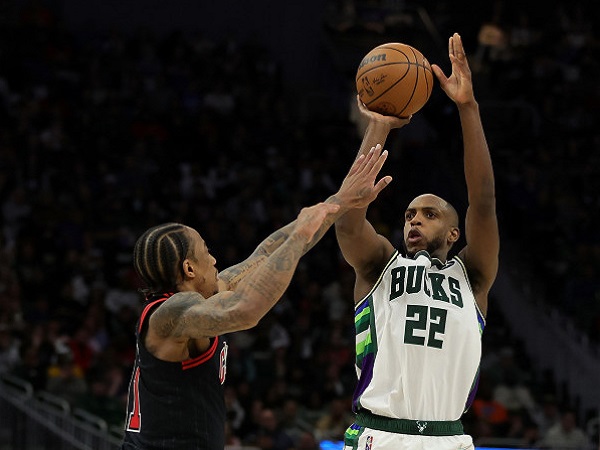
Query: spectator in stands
x=307, y=441
x=292, y=422
x=547, y=415
x=489, y=411
x=65, y=378
x=9, y=350
x=100, y=399
x=270, y=435
x=333, y=424
x=565, y=435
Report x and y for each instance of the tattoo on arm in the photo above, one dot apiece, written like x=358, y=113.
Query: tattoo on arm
x=327, y=223
x=188, y=314
x=169, y=317
x=234, y=274
x=274, y=241
x=320, y=232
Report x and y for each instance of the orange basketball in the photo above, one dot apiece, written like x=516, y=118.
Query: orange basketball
x=394, y=79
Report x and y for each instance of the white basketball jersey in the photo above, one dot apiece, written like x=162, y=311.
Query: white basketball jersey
x=418, y=341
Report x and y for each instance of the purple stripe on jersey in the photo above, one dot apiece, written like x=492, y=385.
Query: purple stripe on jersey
x=362, y=306
x=473, y=392
x=366, y=375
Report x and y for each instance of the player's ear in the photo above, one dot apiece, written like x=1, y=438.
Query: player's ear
x=188, y=268
x=453, y=235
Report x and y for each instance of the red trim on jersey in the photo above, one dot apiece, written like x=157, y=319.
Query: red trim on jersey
x=147, y=308
x=190, y=363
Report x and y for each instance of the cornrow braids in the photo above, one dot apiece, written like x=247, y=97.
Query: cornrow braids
x=158, y=256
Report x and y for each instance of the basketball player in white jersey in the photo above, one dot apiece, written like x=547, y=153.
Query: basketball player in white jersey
x=419, y=315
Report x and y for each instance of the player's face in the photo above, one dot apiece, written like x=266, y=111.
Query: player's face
x=427, y=226
x=206, y=272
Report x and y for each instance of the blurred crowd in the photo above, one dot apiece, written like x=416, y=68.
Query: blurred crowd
x=103, y=135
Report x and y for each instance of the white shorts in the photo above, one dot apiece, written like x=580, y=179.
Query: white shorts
x=369, y=439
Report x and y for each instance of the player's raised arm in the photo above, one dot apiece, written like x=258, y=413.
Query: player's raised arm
x=363, y=248
x=481, y=227
x=190, y=315
x=230, y=277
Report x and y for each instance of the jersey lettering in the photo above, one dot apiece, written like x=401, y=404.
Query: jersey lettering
x=436, y=286
x=134, y=421
x=455, y=289
x=397, y=274
x=412, y=280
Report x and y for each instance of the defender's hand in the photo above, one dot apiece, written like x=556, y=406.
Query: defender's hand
x=359, y=187
x=310, y=219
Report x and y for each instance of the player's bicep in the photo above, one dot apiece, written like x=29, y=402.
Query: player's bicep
x=364, y=249
x=483, y=245
x=188, y=315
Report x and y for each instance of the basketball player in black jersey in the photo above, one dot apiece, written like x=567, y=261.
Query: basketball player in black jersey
x=175, y=392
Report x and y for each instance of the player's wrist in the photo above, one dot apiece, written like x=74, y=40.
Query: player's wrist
x=342, y=200
x=379, y=124
x=468, y=105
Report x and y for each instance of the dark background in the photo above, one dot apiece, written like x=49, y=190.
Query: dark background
x=230, y=117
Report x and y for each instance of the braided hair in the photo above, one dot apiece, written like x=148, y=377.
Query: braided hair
x=158, y=256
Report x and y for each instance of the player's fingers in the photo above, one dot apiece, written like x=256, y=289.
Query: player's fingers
x=439, y=73
x=330, y=208
x=367, y=161
x=356, y=165
x=382, y=184
x=373, y=159
x=458, y=45
x=319, y=211
x=360, y=104
x=378, y=164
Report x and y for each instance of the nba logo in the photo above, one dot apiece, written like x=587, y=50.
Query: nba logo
x=369, y=443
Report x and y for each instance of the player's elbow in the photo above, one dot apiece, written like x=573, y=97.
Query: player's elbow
x=345, y=229
x=245, y=315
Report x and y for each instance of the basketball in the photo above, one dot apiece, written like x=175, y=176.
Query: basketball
x=394, y=80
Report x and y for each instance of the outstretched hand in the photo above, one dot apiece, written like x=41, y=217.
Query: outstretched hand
x=311, y=219
x=458, y=86
x=359, y=188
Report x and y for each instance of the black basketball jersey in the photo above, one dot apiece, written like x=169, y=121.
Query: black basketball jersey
x=175, y=405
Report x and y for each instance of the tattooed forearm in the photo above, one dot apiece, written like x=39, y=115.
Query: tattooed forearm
x=268, y=283
x=235, y=274
x=274, y=241
x=327, y=223
x=286, y=261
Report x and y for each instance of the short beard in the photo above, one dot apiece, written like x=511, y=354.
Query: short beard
x=432, y=246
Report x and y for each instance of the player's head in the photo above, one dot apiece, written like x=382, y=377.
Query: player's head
x=173, y=257
x=431, y=224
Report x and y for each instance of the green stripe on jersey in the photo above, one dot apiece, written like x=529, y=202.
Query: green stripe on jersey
x=361, y=321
